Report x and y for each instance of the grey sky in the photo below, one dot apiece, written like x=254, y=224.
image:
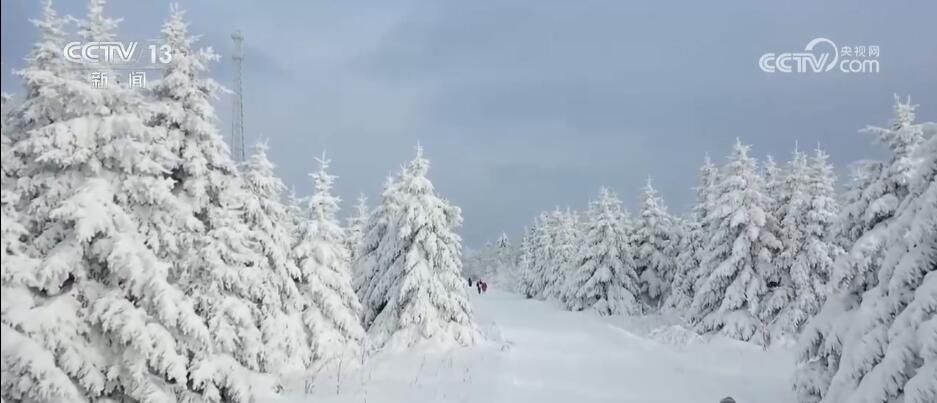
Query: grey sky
x=527, y=105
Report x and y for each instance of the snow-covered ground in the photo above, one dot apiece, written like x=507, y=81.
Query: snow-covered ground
x=540, y=353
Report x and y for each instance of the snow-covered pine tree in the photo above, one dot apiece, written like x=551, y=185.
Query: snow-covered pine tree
x=870, y=205
x=740, y=248
x=604, y=277
x=654, y=248
x=9, y=172
x=813, y=268
x=28, y=368
x=356, y=225
x=374, y=255
x=296, y=213
x=500, y=268
x=542, y=247
x=689, y=240
x=880, y=198
x=564, y=245
x=806, y=259
x=224, y=268
x=268, y=220
x=793, y=197
x=47, y=80
x=425, y=297
x=525, y=261
x=891, y=353
x=706, y=192
x=332, y=310
x=776, y=182
x=32, y=368
x=851, y=223
x=97, y=318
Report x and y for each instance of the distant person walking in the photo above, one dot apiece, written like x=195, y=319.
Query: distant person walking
x=470, y=281
x=484, y=287
x=478, y=285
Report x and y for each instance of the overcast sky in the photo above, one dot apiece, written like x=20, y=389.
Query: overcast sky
x=527, y=105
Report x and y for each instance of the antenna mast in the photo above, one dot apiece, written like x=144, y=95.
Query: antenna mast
x=237, y=116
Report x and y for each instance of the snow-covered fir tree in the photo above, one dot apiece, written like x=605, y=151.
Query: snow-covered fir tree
x=655, y=248
x=525, y=260
x=425, y=297
x=332, y=311
x=564, y=240
x=542, y=246
x=691, y=233
x=868, y=217
x=822, y=249
x=29, y=371
x=688, y=235
x=373, y=256
x=808, y=252
x=776, y=185
x=791, y=189
x=603, y=277
x=98, y=315
x=32, y=370
x=886, y=187
x=851, y=222
x=356, y=225
x=268, y=220
x=504, y=253
x=804, y=264
x=739, y=250
x=706, y=192
x=227, y=277
x=501, y=272
x=887, y=350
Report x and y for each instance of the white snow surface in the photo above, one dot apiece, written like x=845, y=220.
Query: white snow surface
x=538, y=352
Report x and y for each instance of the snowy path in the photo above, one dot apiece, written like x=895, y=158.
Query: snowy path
x=543, y=354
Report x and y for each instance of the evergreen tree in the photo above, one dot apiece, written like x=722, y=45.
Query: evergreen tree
x=374, y=256
x=32, y=369
x=604, y=277
x=500, y=268
x=29, y=370
x=868, y=217
x=332, y=312
x=296, y=213
x=706, y=192
x=851, y=222
x=808, y=252
x=564, y=241
x=97, y=317
x=542, y=247
x=738, y=253
x=270, y=231
x=689, y=240
x=425, y=297
x=792, y=219
x=226, y=276
x=525, y=258
x=356, y=226
x=888, y=352
x=776, y=185
x=655, y=248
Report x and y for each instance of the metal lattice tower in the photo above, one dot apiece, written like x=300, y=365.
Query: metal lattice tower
x=237, y=115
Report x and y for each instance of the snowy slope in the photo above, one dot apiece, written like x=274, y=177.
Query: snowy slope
x=540, y=353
